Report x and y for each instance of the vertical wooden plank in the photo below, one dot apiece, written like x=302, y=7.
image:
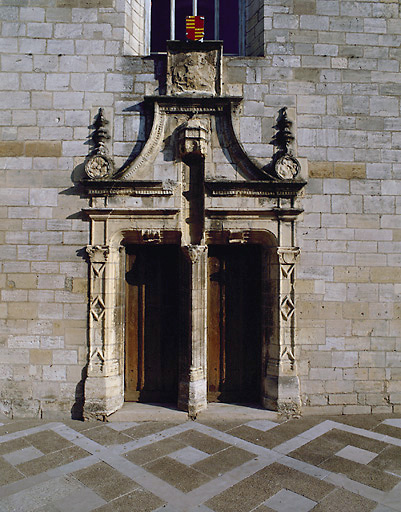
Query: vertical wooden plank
x=131, y=330
x=213, y=326
x=141, y=336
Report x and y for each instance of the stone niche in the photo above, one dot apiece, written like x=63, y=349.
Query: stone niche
x=171, y=204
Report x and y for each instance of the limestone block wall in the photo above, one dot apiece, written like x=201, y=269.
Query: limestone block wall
x=334, y=63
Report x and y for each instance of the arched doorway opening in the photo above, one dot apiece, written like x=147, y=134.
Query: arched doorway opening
x=152, y=323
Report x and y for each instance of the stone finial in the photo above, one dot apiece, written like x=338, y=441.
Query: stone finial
x=99, y=165
x=285, y=165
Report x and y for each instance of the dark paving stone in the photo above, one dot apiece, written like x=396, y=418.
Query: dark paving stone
x=183, y=477
x=224, y=461
x=52, y=460
x=388, y=460
x=388, y=430
x=361, y=473
x=8, y=473
x=222, y=425
x=106, y=481
x=154, y=451
x=12, y=446
x=106, y=436
x=201, y=441
x=256, y=489
x=147, y=428
x=18, y=425
x=340, y=499
x=138, y=500
x=48, y=441
x=317, y=451
x=298, y=482
x=348, y=438
x=248, y=494
x=276, y=435
x=365, y=421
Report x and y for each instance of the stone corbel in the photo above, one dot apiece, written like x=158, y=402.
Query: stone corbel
x=193, y=139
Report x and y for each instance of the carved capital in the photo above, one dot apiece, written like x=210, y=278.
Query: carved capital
x=98, y=252
x=194, y=252
x=288, y=255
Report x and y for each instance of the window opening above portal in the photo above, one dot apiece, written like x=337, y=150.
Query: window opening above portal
x=224, y=19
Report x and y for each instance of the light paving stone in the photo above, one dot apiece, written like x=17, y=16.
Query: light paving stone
x=288, y=501
x=263, y=425
x=23, y=455
x=188, y=455
x=356, y=454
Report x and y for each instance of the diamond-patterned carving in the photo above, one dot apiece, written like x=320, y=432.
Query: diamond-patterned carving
x=98, y=268
x=287, y=307
x=98, y=308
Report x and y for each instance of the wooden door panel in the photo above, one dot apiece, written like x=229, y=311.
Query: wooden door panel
x=234, y=324
x=151, y=348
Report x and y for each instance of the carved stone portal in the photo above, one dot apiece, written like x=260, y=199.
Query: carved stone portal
x=259, y=207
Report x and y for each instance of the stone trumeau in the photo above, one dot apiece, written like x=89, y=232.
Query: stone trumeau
x=189, y=225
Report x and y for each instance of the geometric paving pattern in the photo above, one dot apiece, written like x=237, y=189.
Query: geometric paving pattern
x=325, y=465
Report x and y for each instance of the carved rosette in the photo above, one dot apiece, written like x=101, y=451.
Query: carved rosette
x=287, y=167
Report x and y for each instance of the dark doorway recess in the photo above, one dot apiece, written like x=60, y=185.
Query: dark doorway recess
x=152, y=323
x=234, y=323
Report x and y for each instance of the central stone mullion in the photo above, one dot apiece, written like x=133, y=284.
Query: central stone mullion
x=193, y=391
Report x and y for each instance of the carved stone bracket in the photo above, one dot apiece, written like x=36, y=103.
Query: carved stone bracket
x=193, y=138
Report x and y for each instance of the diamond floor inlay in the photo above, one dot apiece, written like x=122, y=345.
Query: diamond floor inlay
x=255, y=465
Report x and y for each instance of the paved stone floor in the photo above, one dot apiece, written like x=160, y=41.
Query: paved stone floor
x=220, y=463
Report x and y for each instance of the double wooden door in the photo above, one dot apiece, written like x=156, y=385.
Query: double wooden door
x=153, y=326
x=152, y=323
x=234, y=312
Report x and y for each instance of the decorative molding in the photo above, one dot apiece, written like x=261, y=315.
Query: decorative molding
x=240, y=237
x=101, y=188
x=152, y=236
x=151, y=148
x=270, y=188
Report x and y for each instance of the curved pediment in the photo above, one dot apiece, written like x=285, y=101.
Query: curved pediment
x=193, y=121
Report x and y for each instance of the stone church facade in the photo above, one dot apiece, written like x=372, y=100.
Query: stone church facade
x=191, y=226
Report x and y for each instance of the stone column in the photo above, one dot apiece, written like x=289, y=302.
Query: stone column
x=103, y=385
x=281, y=386
x=193, y=392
